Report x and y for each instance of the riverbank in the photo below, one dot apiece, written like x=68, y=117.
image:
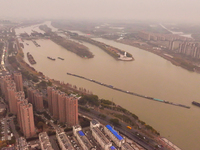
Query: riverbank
x=148, y=130
x=175, y=59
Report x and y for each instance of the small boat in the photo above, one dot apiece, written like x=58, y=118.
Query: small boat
x=61, y=58
x=51, y=58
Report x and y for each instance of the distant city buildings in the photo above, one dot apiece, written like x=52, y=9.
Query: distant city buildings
x=63, y=107
x=189, y=49
x=161, y=37
x=178, y=44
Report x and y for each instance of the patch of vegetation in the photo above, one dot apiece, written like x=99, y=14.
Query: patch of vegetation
x=115, y=122
x=68, y=129
x=102, y=116
x=84, y=108
x=84, y=122
x=107, y=102
x=91, y=99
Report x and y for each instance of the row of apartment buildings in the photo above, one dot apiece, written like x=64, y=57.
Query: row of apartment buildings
x=177, y=43
x=62, y=107
x=191, y=49
x=12, y=88
x=97, y=133
x=161, y=37
x=35, y=98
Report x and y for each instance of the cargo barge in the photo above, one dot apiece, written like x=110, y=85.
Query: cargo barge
x=196, y=103
x=31, y=59
x=36, y=44
x=128, y=92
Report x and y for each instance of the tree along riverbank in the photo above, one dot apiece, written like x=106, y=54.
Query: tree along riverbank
x=72, y=46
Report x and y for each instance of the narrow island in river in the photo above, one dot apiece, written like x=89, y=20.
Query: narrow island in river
x=113, y=51
x=72, y=46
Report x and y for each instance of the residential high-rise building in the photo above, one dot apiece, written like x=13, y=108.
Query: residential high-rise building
x=18, y=104
x=38, y=101
x=11, y=89
x=18, y=81
x=28, y=126
x=35, y=98
x=49, y=94
x=61, y=106
x=55, y=103
x=20, y=98
x=3, y=80
x=30, y=92
x=71, y=111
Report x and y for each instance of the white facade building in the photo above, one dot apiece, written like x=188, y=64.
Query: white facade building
x=99, y=136
x=114, y=135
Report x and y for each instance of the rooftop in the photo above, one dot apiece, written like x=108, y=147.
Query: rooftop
x=44, y=140
x=85, y=140
x=65, y=140
x=21, y=143
x=127, y=146
x=112, y=148
x=94, y=122
x=101, y=135
x=114, y=132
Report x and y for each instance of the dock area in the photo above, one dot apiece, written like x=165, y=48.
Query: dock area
x=129, y=92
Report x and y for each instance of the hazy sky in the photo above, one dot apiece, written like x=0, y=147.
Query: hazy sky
x=170, y=10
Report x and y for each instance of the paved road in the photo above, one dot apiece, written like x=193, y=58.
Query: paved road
x=93, y=114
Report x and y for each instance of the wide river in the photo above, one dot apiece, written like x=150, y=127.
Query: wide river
x=148, y=75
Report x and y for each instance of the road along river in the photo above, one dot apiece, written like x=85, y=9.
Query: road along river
x=148, y=75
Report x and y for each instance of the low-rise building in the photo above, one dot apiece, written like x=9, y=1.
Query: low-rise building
x=126, y=146
x=63, y=141
x=21, y=144
x=44, y=141
x=114, y=135
x=112, y=148
x=82, y=139
x=98, y=135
